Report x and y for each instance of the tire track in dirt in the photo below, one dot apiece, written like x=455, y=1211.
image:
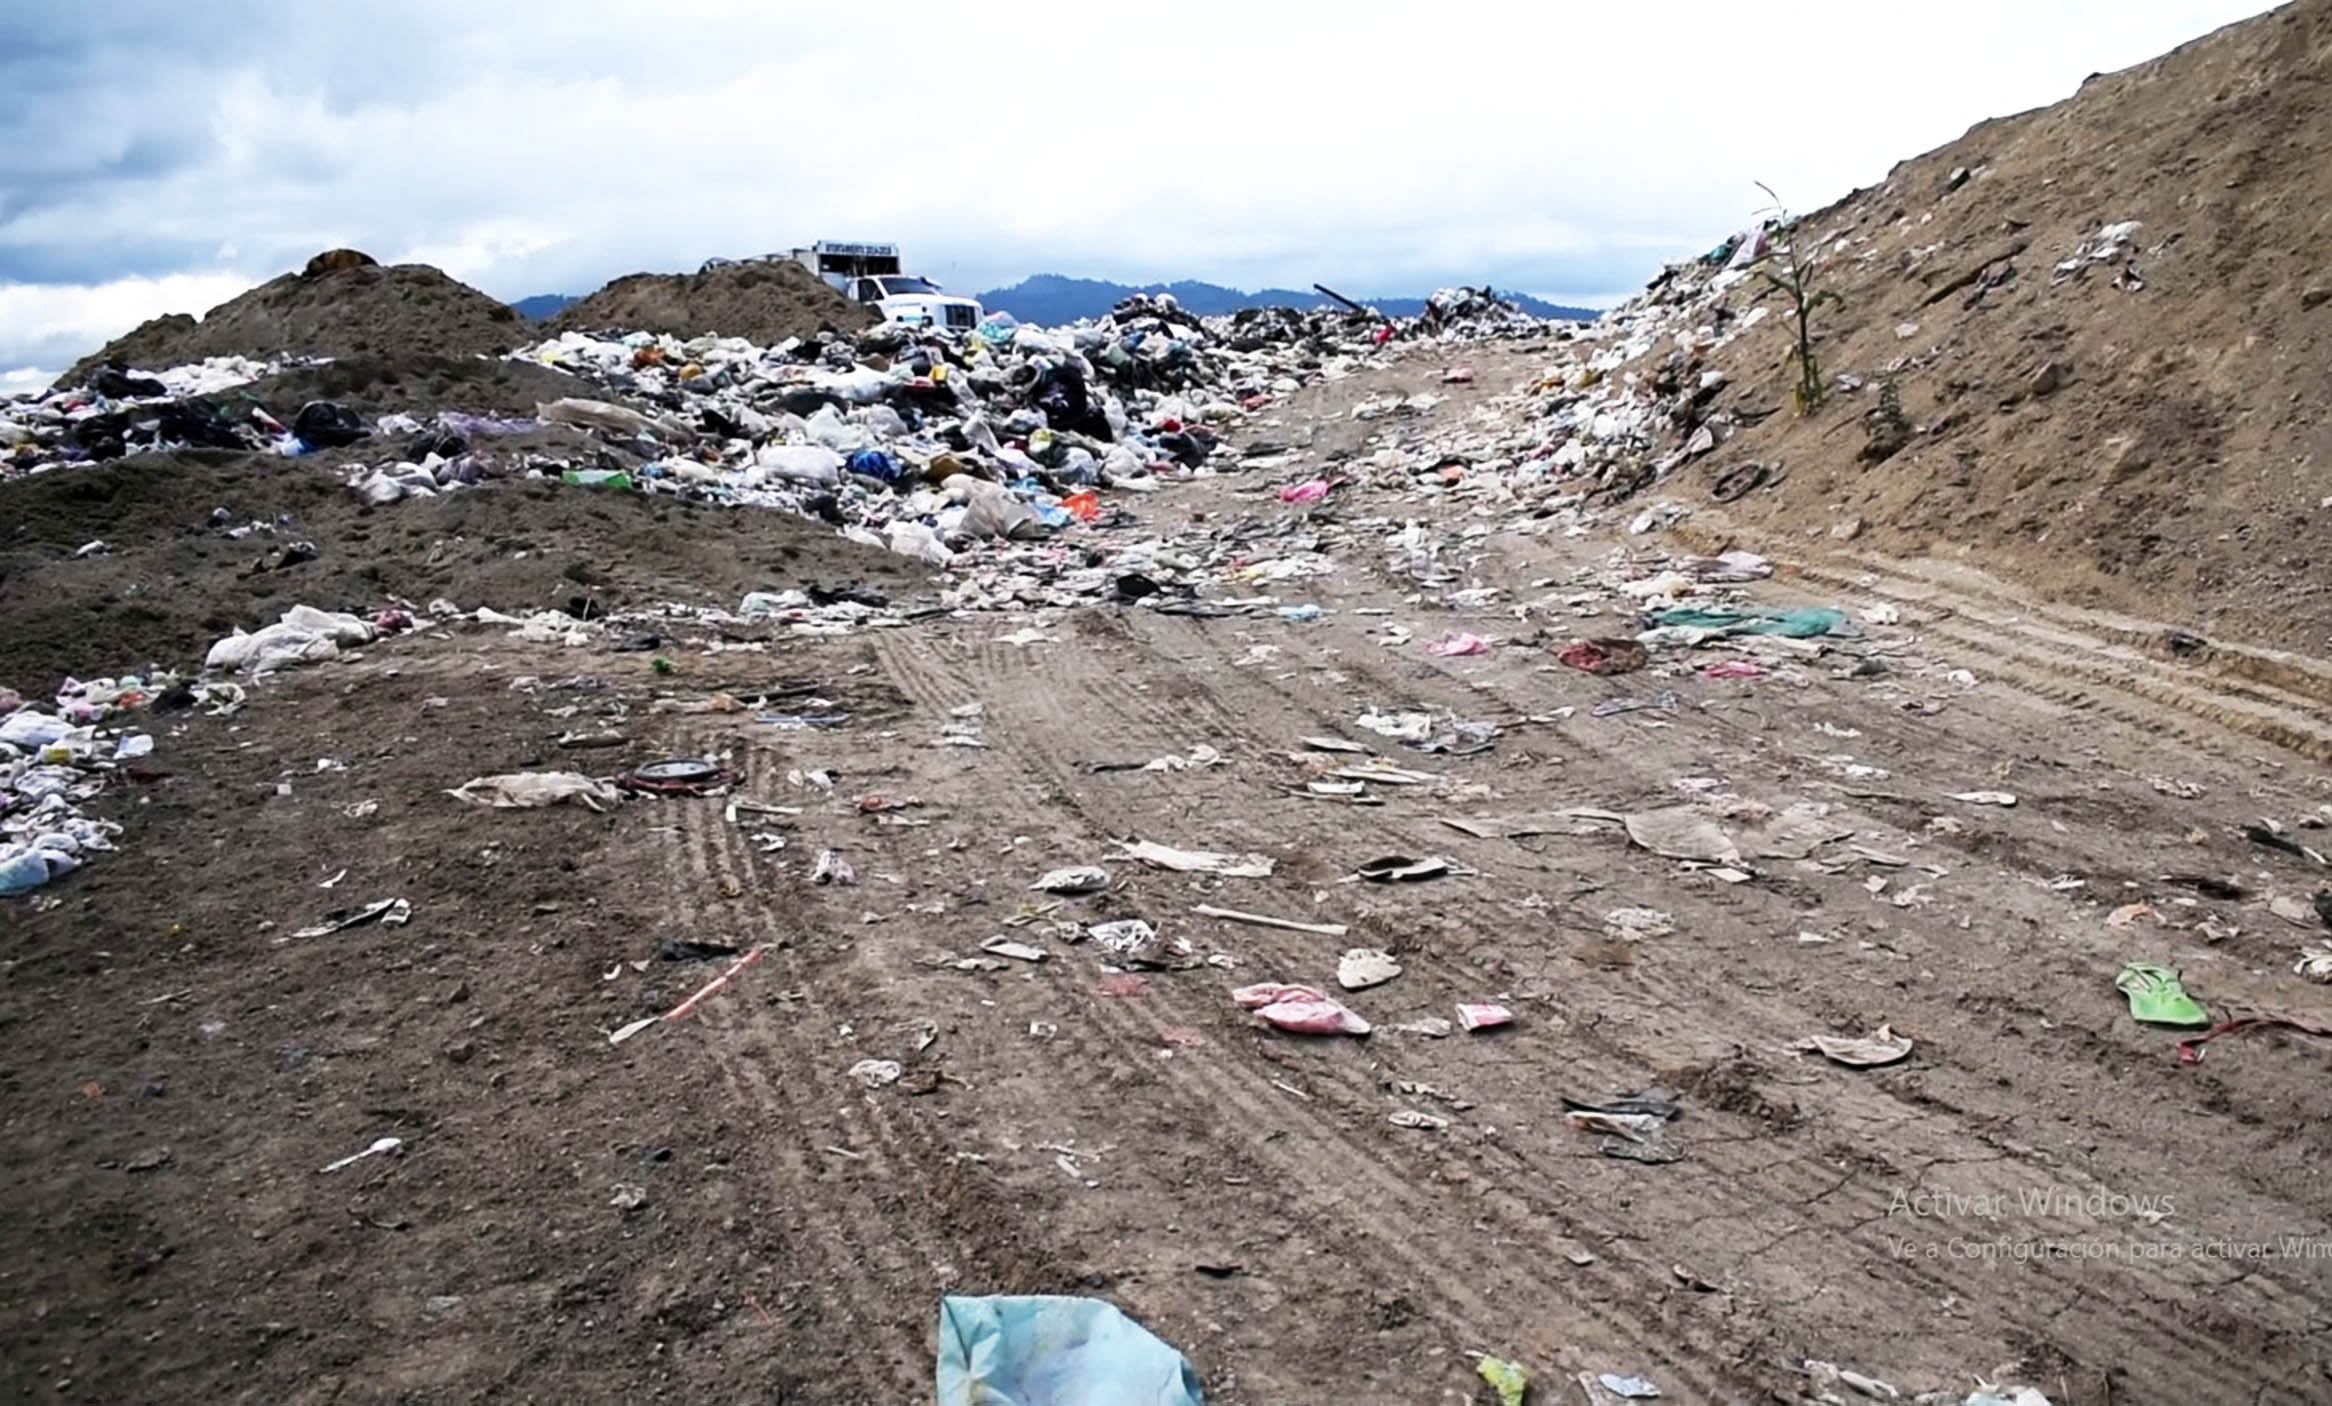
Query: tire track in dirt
x=2041, y=645
x=932, y=1213
x=1820, y=1180
x=1134, y=709
x=1405, y=1217
x=744, y=1042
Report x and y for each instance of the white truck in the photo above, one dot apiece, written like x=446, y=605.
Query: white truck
x=870, y=274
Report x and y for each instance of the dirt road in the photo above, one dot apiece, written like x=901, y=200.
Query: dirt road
x=718, y=1210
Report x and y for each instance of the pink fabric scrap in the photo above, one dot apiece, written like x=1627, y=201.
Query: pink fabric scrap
x=1456, y=645
x=1481, y=1017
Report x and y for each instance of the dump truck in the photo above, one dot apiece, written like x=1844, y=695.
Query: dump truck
x=872, y=274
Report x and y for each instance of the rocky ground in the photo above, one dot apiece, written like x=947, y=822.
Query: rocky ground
x=718, y=1208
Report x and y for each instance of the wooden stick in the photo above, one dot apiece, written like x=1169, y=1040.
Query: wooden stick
x=1263, y=921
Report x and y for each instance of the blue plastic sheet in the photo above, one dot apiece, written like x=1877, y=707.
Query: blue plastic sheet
x=1047, y=1350
x=1797, y=624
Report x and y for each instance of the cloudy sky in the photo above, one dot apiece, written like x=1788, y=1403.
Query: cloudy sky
x=159, y=155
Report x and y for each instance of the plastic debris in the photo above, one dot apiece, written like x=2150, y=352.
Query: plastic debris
x=1364, y=967
x=1635, y=1125
x=527, y=789
x=1458, y=645
x=379, y=1147
x=1422, y=1122
x=1301, y=1010
x=1506, y=1378
x=1045, y=1350
x=1680, y=832
x=2157, y=997
x=1401, y=869
x=1638, y=924
x=1472, y=1017
x=1083, y=880
x=1985, y=798
x=1265, y=920
x=1632, y=1388
x=1604, y=656
x=832, y=868
x=388, y=912
x=1191, y=861
x=1018, y=951
x=1882, y=1046
x=876, y=1073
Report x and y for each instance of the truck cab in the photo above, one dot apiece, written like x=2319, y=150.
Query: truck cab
x=871, y=274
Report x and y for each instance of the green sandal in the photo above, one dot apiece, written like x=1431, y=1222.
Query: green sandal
x=2157, y=998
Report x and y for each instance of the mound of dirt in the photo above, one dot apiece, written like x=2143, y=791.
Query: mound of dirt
x=418, y=384
x=175, y=580
x=2140, y=428
x=340, y=310
x=762, y=302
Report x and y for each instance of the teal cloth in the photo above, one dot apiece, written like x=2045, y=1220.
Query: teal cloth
x=1048, y=1350
x=1796, y=624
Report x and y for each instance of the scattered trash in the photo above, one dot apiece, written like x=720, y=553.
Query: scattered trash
x=1301, y=1010
x=1401, y=727
x=1633, y=1388
x=2271, y=839
x=1985, y=798
x=1432, y=1028
x=1666, y=701
x=388, y=912
x=1400, y=869
x=1190, y=861
x=1001, y=946
x=1423, y=1122
x=1881, y=1047
x=526, y=789
x=1459, y=645
x=1364, y=967
x=832, y=868
x=1638, y=924
x=2299, y=912
x=1804, y=623
x=2315, y=963
x=1483, y=1017
x=1635, y=1124
x=876, y=1073
x=682, y=776
x=379, y=1147
x=1508, y=1379
x=1072, y=881
x=2158, y=998
x=2190, y=1048
x=1037, y=1350
x=1604, y=656
x=1262, y=920
x=1680, y=832
x=680, y=1011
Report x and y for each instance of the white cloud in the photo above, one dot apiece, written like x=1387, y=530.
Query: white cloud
x=530, y=147
x=55, y=324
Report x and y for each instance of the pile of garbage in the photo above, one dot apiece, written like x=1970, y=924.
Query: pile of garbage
x=922, y=443
x=55, y=760
x=122, y=412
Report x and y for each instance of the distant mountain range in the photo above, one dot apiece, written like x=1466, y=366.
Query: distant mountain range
x=1049, y=299
x=544, y=306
